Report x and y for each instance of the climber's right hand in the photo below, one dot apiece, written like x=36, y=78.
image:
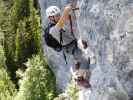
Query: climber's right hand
x=68, y=8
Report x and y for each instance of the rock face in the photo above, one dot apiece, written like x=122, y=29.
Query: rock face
x=107, y=25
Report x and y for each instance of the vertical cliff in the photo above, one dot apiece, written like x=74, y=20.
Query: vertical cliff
x=107, y=26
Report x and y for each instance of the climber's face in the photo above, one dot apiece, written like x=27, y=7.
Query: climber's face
x=55, y=18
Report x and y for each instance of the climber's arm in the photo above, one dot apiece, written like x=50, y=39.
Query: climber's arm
x=55, y=30
x=64, y=17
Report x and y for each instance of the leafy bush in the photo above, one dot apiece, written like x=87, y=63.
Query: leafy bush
x=38, y=83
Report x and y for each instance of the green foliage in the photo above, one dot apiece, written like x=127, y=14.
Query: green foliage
x=27, y=31
x=38, y=83
x=72, y=90
x=20, y=22
x=62, y=96
x=5, y=6
x=21, y=9
x=6, y=28
x=70, y=93
x=24, y=44
x=2, y=56
x=7, y=88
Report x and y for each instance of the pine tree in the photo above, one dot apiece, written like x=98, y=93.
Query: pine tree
x=7, y=88
x=27, y=30
x=20, y=22
x=38, y=82
x=9, y=34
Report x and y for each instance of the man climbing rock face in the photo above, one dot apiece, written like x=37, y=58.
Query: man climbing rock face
x=56, y=35
x=57, y=31
x=63, y=39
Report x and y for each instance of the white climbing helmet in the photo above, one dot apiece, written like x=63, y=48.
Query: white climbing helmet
x=52, y=10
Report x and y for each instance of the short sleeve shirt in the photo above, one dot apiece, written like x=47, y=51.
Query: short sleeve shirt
x=66, y=35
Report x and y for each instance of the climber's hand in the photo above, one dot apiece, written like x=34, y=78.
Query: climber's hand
x=68, y=8
x=76, y=8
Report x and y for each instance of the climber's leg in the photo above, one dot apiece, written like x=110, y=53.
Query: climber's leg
x=82, y=78
x=81, y=72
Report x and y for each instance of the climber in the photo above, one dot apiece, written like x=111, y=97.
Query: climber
x=56, y=36
x=61, y=39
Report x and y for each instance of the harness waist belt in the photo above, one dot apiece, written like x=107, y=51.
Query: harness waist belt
x=74, y=42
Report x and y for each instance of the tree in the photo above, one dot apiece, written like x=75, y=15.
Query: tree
x=38, y=82
x=20, y=22
x=7, y=88
x=27, y=25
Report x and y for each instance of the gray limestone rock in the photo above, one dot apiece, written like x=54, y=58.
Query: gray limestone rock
x=107, y=25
